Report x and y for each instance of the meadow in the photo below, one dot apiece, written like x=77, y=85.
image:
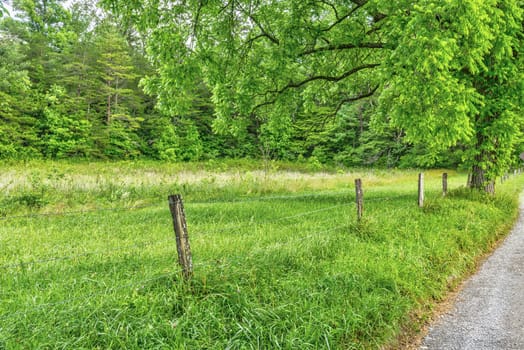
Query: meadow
x=88, y=257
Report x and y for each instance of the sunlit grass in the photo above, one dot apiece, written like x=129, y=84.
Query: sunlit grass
x=280, y=260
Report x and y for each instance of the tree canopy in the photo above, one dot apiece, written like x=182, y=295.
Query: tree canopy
x=363, y=82
x=69, y=87
x=447, y=73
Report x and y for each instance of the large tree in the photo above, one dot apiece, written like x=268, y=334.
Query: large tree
x=455, y=76
x=446, y=72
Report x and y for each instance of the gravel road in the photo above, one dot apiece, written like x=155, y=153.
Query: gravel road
x=489, y=311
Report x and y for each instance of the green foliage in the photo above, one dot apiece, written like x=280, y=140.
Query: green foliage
x=455, y=68
x=17, y=126
x=3, y=10
x=63, y=135
x=430, y=64
x=275, y=138
x=423, y=95
x=359, y=83
x=353, y=139
x=71, y=88
x=189, y=142
x=161, y=138
x=499, y=121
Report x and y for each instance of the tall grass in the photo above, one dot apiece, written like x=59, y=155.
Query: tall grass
x=280, y=259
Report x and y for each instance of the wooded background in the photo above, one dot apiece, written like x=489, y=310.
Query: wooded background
x=364, y=83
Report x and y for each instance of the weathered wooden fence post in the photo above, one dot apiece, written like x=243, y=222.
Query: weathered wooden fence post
x=359, y=198
x=182, y=240
x=421, y=190
x=444, y=184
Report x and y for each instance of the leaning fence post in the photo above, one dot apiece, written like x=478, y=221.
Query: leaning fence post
x=359, y=199
x=444, y=184
x=182, y=240
x=421, y=190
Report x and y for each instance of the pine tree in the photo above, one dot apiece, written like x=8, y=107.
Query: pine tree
x=17, y=125
x=117, y=74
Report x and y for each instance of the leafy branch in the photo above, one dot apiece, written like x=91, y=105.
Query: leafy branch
x=347, y=15
x=336, y=47
x=296, y=85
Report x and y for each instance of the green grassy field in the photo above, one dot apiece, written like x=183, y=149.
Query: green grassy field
x=88, y=258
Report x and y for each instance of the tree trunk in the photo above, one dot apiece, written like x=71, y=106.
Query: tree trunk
x=116, y=93
x=479, y=180
x=361, y=119
x=108, y=112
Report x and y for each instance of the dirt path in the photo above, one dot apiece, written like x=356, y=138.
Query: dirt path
x=489, y=310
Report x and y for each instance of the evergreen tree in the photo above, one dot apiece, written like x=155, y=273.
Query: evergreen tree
x=117, y=75
x=17, y=125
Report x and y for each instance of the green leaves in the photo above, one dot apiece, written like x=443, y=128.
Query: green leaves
x=431, y=63
x=449, y=80
x=280, y=76
x=3, y=10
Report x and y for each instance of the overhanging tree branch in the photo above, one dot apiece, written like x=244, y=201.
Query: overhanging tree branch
x=296, y=85
x=197, y=19
x=328, y=116
x=336, y=47
x=347, y=15
x=354, y=98
x=263, y=31
x=333, y=7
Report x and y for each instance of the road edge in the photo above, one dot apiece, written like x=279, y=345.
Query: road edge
x=417, y=328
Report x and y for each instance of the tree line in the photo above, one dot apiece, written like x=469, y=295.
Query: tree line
x=364, y=82
x=70, y=87
x=444, y=75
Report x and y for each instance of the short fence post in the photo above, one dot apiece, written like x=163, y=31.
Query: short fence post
x=182, y=240
x=421, y=190
x=444, y=184
x=359, y=199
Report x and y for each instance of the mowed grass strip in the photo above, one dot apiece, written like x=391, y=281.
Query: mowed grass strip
x=285, y=270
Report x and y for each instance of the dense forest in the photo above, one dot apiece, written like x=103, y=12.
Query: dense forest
x=72, y=85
